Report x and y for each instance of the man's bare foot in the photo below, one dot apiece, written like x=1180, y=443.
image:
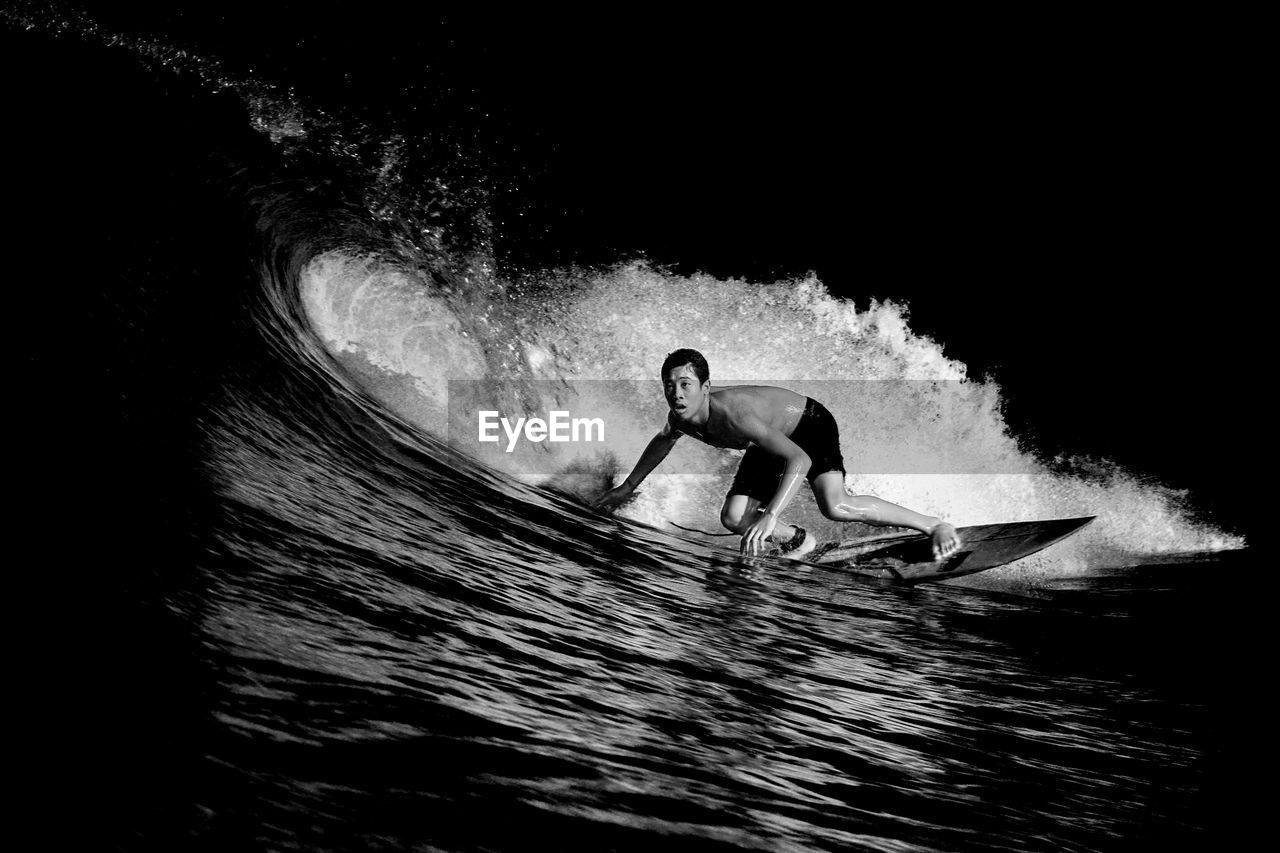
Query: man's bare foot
x=945, y=540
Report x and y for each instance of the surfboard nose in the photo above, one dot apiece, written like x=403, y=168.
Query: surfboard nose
x=1070, y=525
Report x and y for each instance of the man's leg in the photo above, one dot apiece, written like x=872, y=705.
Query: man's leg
x=837, y=505
x=739, y=511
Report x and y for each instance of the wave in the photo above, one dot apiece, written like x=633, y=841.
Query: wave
x=901, y=402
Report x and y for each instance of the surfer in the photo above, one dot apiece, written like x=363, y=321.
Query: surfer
x=788, y=437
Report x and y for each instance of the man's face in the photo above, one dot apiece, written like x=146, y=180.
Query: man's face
x=683, y=391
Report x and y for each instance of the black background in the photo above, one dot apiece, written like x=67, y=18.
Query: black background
x=1057, y=199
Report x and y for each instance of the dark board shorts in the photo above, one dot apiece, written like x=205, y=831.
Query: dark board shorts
x=817, y=435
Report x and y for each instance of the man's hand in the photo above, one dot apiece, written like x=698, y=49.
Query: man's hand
x=755, y=536
x=610, y=499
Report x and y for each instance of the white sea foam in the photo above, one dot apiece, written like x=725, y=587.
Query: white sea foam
x=937, y=444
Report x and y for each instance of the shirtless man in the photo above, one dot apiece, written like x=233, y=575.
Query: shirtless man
x=788, y=438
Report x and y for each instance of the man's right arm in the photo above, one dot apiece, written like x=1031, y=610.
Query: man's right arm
x=657, y=449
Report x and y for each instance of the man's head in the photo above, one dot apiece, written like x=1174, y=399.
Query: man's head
x=686, y=380
x=691, y=357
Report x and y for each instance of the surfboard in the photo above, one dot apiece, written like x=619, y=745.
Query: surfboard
x=908, y=557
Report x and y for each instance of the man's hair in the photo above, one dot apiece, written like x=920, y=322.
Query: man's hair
x=691, y=357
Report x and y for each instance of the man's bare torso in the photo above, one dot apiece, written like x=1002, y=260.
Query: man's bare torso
x=732, y=405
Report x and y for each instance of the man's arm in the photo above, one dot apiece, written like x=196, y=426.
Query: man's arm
x=657, y=449
x=798, y=463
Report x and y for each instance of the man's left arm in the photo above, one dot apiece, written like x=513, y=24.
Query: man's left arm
x=798, y=463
